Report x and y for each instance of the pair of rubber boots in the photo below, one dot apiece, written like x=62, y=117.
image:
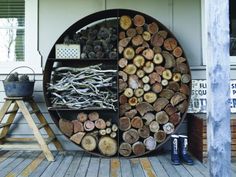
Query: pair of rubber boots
x=179, y=150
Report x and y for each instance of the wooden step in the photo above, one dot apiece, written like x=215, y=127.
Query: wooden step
x=4, y=125
x=50, y=139
x=34, y=111
x=12, y=111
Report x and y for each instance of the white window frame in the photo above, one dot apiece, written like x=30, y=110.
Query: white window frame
x=204, y=35
x=32, y=58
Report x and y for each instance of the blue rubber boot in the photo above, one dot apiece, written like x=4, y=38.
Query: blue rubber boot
x=183, y=147
x=174, y=150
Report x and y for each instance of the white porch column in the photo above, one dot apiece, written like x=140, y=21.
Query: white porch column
x=218, y=82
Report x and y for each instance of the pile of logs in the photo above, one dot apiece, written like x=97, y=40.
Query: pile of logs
x=98, y=42
x=92, y=132
x=154, y=82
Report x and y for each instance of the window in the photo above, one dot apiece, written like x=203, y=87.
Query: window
x=232, y=5
x=19, y=35
x=12, y=30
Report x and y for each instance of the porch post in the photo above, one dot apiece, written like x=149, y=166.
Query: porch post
x=218, y=82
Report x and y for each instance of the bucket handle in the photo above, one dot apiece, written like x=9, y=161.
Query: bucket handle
x=21, y=67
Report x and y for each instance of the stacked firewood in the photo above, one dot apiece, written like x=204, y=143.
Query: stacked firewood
x=98, y=42
x=154, y=82
x=92, y=132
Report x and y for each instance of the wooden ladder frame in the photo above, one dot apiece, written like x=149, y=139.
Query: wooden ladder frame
x=19, y=105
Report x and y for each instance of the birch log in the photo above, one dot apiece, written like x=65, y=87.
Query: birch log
x=218, y=80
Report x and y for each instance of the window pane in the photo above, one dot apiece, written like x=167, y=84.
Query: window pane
x=12, y=22
x=232, y=28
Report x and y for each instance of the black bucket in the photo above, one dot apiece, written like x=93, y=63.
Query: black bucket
x=17, y=88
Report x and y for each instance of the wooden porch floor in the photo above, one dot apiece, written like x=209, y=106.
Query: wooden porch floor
x=33, y=163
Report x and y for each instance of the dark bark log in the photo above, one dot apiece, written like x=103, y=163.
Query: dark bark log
x=125, y=149
x=131, y=136
x=124, y=123
x=144, y=131
x=138, y=148
x=66, y=127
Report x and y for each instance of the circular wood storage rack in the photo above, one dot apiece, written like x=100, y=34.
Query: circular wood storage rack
x=145, y=120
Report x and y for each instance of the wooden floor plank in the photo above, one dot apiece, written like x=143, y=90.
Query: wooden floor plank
x=10, y=159
x=93, y=167
x=63, y=167
x=5, y=154
x=179, y=168
x=147, y=167
x=27, y=160
x=10, y=167
x=170, y=170
x=136, y=168
x=32, y=166
x=193, y=171
x=104, y=168
x=201, y=168
x=126, y=170
x=83, y=168
x=74, y=164
x=115, y=168
x=42, y=166
x=52, y=168
x=158, y=168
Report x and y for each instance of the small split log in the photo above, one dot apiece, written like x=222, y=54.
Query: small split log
x=121, y=35
x=177, y=52
x=108, y=130
x=113, y=134
x=139, y=29
x=124, y=42
x=167, y=74
x=123, y=108
x=130, y=69
x=89, y=125
x=145, y=79
x=173, y=86
x=177, y=98
x=131, y=113
x=139, y=60
x=184, y=89
x=123, y=75
x=138, y=148
x=176, y=77
x=137, y=40
x=157, y=40
x=77, y=138
x=149, y=117
x=159, y=104
x=140, y=73
x=100, y=124
x=102, y=132
x=183, y=68
x=133, y=82
x=114, y=128
x=170, y=44
x=93, y=116
x=175, y=118
x=159, y=69
x=154, y=126
x=160, y=136
x=124, y=123
x=144, y=107
x=133, y=101
x=169, y=60
x=139, y=49
x=125, y=149
x=182, y=107
x=144, y=131
x=162, y=117
x=167, y=93
x=78, y=126
x=137, y=122
x=131, y=32
x=154, y=77
x=123, y=99
x=131, y=136
x=170, y=109
x=108, y=123
x=138, y=92
x=107, y=146
x=157, y=88
x=66, y=127
x=139, y=20
x=148, y=54
x=89, y=142
x=168, y=128
x=164, y=82
x=180, y=60
x=146, y=36
x=158, y=58
x=123, y=62
x=152, y=28
x=186, y=78
x=150, y=97
x=125, y=22
x=129, y=92
x=129, y=53
x=163, y=33
x=82, y=117
x=150, y=143
x=157, y=49
x=122, y=85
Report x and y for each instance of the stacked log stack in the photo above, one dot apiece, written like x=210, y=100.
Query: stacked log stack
x=154, y=84
x=153, y=89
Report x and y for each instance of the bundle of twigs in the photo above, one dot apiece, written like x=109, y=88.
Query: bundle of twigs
x=83, y=87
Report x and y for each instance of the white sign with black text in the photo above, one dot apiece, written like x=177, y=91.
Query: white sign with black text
x=198, y=102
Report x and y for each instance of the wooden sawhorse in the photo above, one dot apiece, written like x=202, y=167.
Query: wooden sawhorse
x=19, y=105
